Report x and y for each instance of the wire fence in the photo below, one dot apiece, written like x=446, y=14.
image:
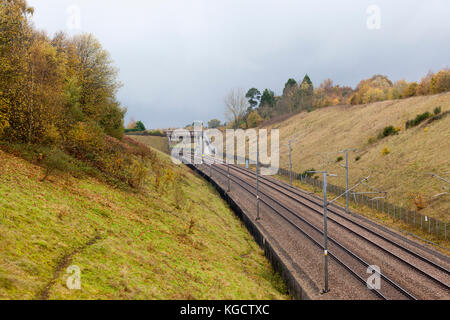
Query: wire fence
x=410, y=217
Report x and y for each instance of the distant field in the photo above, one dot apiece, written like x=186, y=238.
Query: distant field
x=173, y=239
x=403, y=173
x=159, y=143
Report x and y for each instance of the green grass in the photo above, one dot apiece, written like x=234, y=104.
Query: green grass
x=175, y=238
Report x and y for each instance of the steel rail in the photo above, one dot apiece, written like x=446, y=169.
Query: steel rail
x=357, y=258
x=416, y=255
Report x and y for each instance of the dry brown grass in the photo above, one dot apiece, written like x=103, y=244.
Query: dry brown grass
x=413, y=152
x=159, y=143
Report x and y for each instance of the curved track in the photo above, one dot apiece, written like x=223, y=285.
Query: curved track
x=304, y=212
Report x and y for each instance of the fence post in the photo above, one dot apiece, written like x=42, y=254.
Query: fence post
x=290, y=163
x=325, y=231
x=437, y=228
x=257, y=178
x=228, y=172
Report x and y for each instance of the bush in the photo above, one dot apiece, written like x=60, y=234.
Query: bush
x=132, y=130
x=419, y=201
x=156, y=133
x=385, y=151
x=54, y=160
x=138, y=173
x=437, y=110
x=419, y=119
x=357, y=158
x=388, y=131
x=86, y=140
x=307, y=173
x=254, y=119
x=339, y=159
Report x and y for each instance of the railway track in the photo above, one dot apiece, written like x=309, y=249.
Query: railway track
x=314, y=204
x=279, y=198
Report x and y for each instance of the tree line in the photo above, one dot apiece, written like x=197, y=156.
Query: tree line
x=248, y=110
x=58, y=105
x=53, y=87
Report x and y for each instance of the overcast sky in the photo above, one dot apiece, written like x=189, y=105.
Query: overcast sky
x=179, y=58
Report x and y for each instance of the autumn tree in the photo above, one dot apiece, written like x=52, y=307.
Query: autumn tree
x=254, y=119
x=411, y=90
x=424, y=87
x=131, y=124
x=305, y=93
x=99, y=85
x=235, y=106
x=14, y=42
x=328, y=94
x=440, y=82
x=373, y=89
x=214, y=123
x=50, y=85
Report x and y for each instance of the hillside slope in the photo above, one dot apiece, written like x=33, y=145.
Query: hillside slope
x=174, y=239
x=158, y=143
x=403, y=173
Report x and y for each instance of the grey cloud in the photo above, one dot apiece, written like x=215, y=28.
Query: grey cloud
x=179, y=58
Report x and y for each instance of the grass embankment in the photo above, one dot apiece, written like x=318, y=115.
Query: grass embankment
x=402, y=172
x=159, y=143
x=174, y=238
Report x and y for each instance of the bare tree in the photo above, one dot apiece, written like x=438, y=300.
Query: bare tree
x=236, y=104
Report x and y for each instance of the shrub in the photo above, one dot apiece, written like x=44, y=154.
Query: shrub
x=417, y=120
x=179, y=196
x=191, y=226
x=388, y=131
x=54, y=160
x=138, y=173
x=307, y=173
x=51, y=135
x=385, y=151
x=371, y=140
x=85, y=140
x=419, y=201
x=437, y=110
x=156, y=133
x=254, y=119
x=357, y=158
x=339, y=159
